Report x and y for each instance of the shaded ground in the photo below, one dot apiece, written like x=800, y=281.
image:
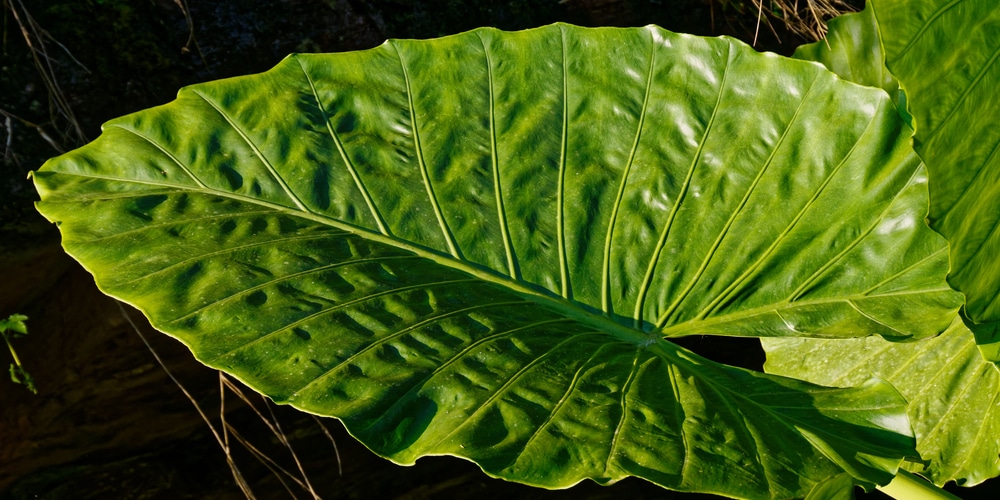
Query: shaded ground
x=108, y=422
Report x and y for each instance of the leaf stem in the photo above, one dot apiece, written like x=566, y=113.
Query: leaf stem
x=17, y=372
x=909, y=486
x=12, y=352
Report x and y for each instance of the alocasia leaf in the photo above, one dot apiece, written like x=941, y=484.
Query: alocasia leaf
x=944, y=53
x=953, y=392
x=954, y=395
x=476, y=245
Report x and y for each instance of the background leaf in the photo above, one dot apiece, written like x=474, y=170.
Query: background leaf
x=954, y=408
x=839, y=487
x=944, y=54
x=473, y=246
x=853, y=50
x=952, y=391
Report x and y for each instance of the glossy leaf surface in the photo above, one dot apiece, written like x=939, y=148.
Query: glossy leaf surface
x=952, y=391
x=853, y=50
x=944, y=53
x=475, y=245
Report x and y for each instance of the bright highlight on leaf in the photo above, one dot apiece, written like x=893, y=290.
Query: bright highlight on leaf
x=853, y=50
x=475, y=246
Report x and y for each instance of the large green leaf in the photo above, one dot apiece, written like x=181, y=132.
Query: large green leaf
x=944, y=53
x=952, y=391
x=475, y=245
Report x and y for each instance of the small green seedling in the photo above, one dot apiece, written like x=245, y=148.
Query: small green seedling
x=11, y=328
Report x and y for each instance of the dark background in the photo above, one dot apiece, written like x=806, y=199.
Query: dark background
x=107, y=422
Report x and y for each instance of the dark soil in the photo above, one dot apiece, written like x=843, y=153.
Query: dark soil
x=108, y=422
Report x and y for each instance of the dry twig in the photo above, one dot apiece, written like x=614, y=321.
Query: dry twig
x=301, y=479
x=224, y=444
x=806, y=18
x=36, y=38
x=182, y=4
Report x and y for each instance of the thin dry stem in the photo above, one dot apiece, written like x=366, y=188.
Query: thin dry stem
x=806, y=18
x=223, y=443
x=275, y=427
x=266, y=460
x=284, y=440
x=182, y=4
x=35, y=37
x=336, y=451
x=8, y=152
x=38, y=128
x=227, y=430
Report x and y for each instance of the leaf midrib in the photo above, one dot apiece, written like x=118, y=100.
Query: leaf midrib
x=565, y=307
x=685, y=328
x=528, y=290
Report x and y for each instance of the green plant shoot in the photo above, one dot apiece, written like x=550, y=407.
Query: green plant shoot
x=11, y=328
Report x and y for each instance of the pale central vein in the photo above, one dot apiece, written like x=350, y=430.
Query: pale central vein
x=560, y=201
x=488, y=275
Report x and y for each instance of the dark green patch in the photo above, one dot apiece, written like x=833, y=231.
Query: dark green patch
x=147, y=203
x=227, y=227
x=185, y=278
x=234, y=178
x=258, y=225
x=257, y=298
x=143, y=205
